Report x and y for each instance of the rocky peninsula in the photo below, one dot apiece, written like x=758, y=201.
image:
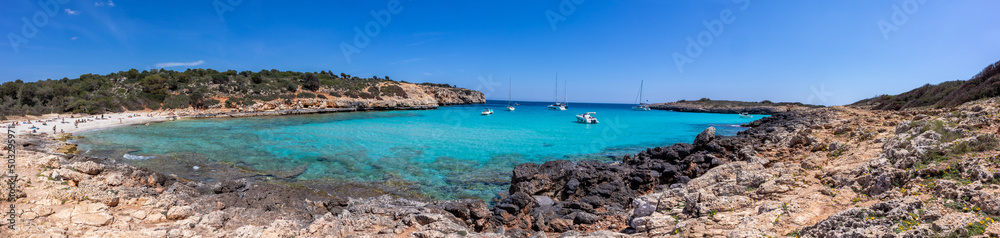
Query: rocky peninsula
x=730, y=107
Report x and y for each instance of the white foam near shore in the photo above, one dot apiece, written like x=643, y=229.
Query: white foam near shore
x=137, y=157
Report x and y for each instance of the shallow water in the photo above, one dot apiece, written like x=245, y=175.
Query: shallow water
x=451, y=152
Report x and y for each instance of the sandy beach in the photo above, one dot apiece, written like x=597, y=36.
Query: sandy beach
x=74, y=123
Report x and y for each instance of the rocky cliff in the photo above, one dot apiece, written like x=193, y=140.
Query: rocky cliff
x=409, y=97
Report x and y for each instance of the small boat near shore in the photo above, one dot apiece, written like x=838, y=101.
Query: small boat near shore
x=745, y=115
x=587, y=118
x=487, y=112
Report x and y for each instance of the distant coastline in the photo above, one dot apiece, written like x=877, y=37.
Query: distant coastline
x=731, y=107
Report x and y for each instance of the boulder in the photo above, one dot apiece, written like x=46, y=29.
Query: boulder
x=704, y=137
x=51, y=161
x=88, y=167
x=179, y=212
x=214, y=220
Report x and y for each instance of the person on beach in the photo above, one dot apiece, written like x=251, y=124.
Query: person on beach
x=53, y=129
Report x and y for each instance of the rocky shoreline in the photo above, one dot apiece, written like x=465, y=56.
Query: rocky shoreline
x=825, y=172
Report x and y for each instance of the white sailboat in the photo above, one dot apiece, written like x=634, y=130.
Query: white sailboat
x=556, y=105
x=642, y=105
x=487, y=112
x=510, y=87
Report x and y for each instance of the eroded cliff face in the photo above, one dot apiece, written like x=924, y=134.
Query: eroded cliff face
x=409, y=96
x=453, y=96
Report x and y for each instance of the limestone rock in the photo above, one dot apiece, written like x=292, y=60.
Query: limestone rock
x=93, y=219
x=88, y=167
x=179, y=212
x=51, y=161
x=215, y=219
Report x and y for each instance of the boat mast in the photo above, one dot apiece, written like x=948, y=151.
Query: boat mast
x=565, y=91
x=509, y=87
x=556, y=96
x=640, y=91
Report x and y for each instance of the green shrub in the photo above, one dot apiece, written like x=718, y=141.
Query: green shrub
x=210, y=103
x=311, y=82
x=220, y=79
x=306, y=95
x=176, y=101
x=393, y=91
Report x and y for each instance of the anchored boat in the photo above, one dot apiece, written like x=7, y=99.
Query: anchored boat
x=556, y=105
x=642, y=105
x=509, y=106
x=586, y=118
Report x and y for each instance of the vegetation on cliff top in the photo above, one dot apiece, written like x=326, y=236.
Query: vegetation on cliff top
x=986, y=84
x=168, y=89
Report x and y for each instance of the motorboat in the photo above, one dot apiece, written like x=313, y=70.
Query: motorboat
x=487, y=112
x=745, y=115
x=587, y=118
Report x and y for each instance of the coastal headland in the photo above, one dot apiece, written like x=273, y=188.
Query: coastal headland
x=809, y=172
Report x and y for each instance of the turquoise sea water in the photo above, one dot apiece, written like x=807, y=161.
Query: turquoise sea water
x=450, y=152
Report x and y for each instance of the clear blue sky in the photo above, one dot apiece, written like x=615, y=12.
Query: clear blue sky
x=825, y=52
